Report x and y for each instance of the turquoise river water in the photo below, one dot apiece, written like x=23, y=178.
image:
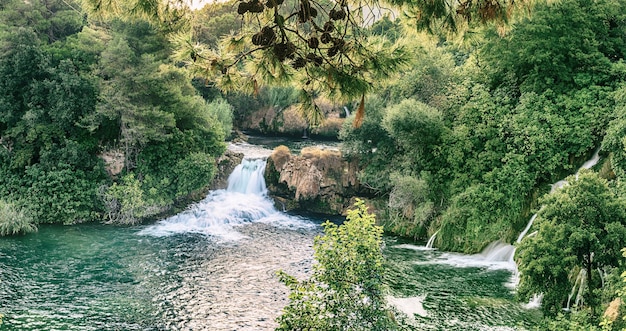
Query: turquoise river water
x=213, y=268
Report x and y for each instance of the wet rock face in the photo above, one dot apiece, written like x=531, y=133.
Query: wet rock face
x=225, y=166
x=317, y=180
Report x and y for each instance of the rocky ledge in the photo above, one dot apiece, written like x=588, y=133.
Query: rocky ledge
x=317, y=180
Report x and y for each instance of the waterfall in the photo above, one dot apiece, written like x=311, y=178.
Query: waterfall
x=535, y=302
x=244, y=201
x=248, y=177
x=523, y=233
x=554, y=187
x=498, y=251
x=347, y=111
x=578, y=288
x=431, y=240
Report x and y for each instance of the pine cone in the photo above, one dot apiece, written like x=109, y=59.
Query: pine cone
x=329, y=26
x=313, y=42
x=243, y=8
x=256, y=6
x=326, y=38
x=298, y=63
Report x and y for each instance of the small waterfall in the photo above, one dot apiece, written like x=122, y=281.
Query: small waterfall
x=591, y=162
x=248, y=177
x=431, y=240
x=347, y=111
x=534, y=302
x=578, y=288
x=579, y=281
x=244, y=201
x=498, y=251
x=523, y=233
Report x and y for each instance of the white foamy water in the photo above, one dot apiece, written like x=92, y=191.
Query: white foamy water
x=250, y=151
x=245, y=201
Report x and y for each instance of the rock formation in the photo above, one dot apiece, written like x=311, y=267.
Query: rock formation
x=317, y=180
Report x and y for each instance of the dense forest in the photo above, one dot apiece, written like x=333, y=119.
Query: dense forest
x=459, y=129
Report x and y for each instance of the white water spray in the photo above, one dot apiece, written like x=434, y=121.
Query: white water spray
x=244, y=201
x=498, y=251
x=523, y=233
x=431, y=240
x=248, y=178
x=578, y=288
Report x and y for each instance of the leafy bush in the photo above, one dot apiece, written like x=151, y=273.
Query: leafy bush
x=414, y=125
x=60, y=195
x=345, y=291
x=124, y=202
x=582, y=228
x=473, y=219
x=223, y=113
x=410, y=207
x=14, y=221
x=194, y=172
x=372, y=146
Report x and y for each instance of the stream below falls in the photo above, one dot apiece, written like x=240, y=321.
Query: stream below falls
x=213, y=267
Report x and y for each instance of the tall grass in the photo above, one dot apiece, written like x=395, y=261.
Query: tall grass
x=14, y=221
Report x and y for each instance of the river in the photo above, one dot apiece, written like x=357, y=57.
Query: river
x=213, y=267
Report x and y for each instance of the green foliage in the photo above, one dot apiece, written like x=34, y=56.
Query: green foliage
x=124, y=202
x=61, y=194
x=410, y=207
x=194, y=172
x=222, y=111
x=564, y=45
x=14, y=220
x=345, y=291
x=614, y=139
x=415, y=126
x=215, y=21
x=474, y=218
x=371, y=146
x=577, y=321
x=52, y=20
x=581, y=227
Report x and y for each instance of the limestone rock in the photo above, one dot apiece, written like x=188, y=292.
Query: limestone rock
x=225, y=166
x=318, y=180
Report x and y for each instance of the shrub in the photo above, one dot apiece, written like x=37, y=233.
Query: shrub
x=194, y=172
x=223, y=112
x=14, y=221
x=345, y=291
x=124, y=202
x=60, y=195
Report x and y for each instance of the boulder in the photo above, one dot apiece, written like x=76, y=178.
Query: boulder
x=318, y=180
x=225, y=166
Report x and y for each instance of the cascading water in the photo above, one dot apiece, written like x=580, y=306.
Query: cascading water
x=535, y=301
x=523, y=233
x=244, y=201
x=431, y=240
x=248, y=178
